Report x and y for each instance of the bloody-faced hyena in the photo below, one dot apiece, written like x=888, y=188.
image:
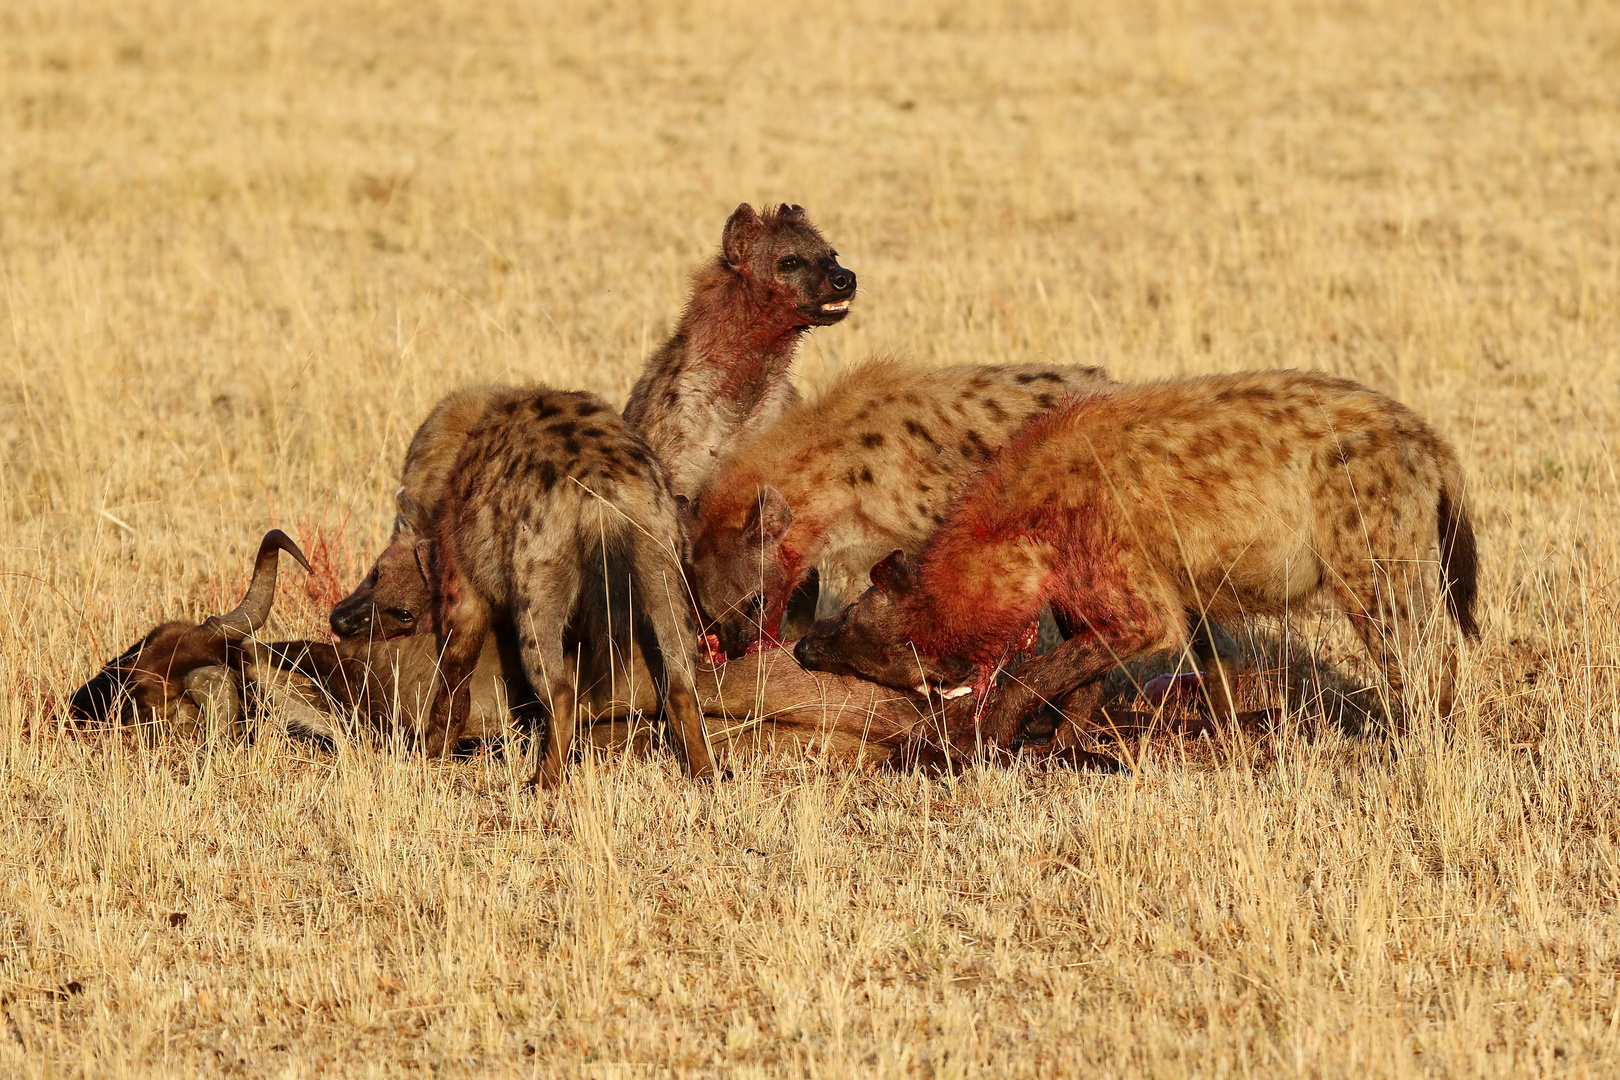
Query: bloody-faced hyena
x=724, y=372
x=871, y=465
x=1123, y=510
x=547, y=484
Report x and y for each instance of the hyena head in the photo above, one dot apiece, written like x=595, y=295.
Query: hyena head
x=873, y=637
x=391, y=601
x=790, y=269
x=739, y=574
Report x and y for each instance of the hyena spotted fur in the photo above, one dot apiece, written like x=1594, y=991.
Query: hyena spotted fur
x=1124, y=509
x=724, y=371
x=871, y=465
x=394, y=599
x=547, y=485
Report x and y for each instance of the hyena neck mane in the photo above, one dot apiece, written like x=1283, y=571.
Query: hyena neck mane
x=738, y=337
x=983, y=577
x=973, y=601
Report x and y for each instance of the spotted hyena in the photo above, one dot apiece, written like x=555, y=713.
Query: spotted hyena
x=724, y=372
x=394, y=599
x=1124, y=509
x=872, y=465
x=547, y=484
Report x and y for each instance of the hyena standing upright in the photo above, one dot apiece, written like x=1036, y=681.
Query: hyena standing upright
x=1228, y=495
x=724, y=372
x=871, y=465
x=547, y=484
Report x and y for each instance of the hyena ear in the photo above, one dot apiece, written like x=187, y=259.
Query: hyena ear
x=770, y=517
x=894, y=575
x=741, y=229
x=793, y=212
x=424, y=559
x=411, y=515
x=683, y=506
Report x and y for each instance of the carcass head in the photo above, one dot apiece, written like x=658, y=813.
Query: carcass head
x=172, y=672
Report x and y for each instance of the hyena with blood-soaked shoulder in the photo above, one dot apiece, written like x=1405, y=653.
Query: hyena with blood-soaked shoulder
x=870, y=465
x=548, y=484
x=1126, y=508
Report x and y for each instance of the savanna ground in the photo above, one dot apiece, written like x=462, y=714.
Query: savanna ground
x=243, y=247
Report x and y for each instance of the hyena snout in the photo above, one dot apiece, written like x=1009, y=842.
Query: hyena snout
x=758, y=630
x=830, y=297
x=352, y=617
x=390, y=601
x=368, y=616
x=812, y=653
x=840, y=279
x=818, y=649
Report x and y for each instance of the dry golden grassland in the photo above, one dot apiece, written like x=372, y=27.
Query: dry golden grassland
x=244, y=246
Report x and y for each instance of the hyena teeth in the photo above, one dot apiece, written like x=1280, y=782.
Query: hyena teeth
x=836, y=305
x=948, y=695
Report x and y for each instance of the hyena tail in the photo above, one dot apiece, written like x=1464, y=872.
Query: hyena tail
x=603, y=619
x=1459, y=559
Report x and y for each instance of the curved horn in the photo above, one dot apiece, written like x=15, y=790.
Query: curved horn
x=254, y=609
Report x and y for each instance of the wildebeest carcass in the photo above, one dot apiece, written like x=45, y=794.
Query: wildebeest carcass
x=179, y=674
x=388, y=686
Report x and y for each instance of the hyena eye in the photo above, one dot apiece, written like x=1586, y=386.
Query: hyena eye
x=789, y=264
x=757, y=602
x=401, y=615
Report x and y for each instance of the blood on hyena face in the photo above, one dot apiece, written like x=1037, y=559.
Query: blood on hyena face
x=869, y=639
x=738, y=572
x=787, y=262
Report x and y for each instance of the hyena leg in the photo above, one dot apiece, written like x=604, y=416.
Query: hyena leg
x=1218, y=664
x=464, y=618
x=550, y=594
x=546, y=666
x=670, y=654
x=1091, y=651
x=1382, y=606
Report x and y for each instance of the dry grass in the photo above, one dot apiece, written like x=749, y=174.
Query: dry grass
x=243, y=247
